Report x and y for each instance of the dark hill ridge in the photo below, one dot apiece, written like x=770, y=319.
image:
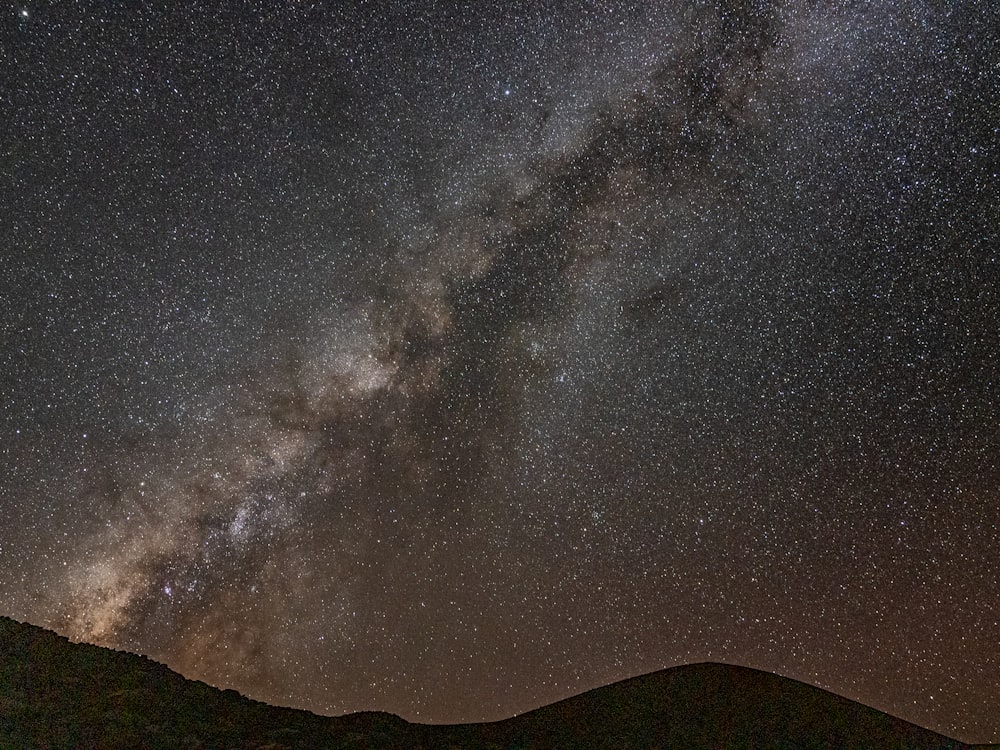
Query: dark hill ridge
x=719, y=706
x=58, y=694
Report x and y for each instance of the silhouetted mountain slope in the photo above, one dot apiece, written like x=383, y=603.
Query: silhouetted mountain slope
x=714, y=706
x=57, y=694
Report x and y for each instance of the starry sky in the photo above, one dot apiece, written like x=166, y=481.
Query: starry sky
x=450, y=359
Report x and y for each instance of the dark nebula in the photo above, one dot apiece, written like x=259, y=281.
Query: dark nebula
x=452, y=360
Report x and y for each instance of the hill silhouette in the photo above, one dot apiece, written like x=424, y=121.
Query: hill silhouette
x=58, y=694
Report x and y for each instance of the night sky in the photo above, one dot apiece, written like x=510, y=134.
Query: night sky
x=450, y=359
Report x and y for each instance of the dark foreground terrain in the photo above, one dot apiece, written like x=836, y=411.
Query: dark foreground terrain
x=57, y=694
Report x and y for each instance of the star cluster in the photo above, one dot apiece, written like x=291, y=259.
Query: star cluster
x=452, y=359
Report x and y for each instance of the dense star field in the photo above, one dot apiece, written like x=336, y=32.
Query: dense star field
x=452, y=359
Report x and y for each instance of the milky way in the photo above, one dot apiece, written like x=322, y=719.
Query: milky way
x=451, y=362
